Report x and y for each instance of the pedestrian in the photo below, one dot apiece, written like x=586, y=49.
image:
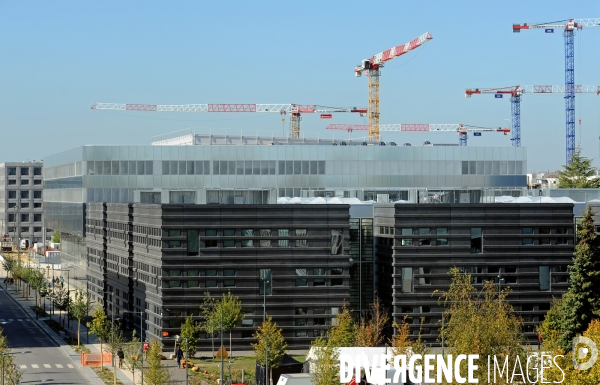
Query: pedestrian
x=178, y=357
x=145, y=347
x=121, y=355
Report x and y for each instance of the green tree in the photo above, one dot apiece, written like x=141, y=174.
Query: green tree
x=212, y=321
x=480, y=322
x=101, y=327
x=229, y=311
x=190, y=331
x=583, y=300
x=579, y=173
x=324, y=364
x=369, y=331
x=132, y=354
x=38, y=283
x=8, y=264
x=155, y=373
x=60, y=297
x=12, y=373
x=342, y=332
x=56, y=237
x=115, y=342
x=79, y=308
x=269, y=336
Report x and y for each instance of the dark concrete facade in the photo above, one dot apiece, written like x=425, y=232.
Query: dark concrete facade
x=524, y=246
x=162, y=259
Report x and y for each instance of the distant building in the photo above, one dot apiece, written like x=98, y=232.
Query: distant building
x=21, y=208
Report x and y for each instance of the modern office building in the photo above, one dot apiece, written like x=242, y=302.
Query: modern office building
x=526, y=247
x=92, y=192
x=291, y=261
x=21, y=209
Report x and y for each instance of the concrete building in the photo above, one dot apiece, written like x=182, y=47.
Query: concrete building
x=526, y=247
x=21, y=208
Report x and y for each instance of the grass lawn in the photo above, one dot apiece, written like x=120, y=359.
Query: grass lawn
x=106, y=375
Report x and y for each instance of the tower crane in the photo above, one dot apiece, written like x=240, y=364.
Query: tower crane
x=516, y=92
x=461, y=129
x=372, y=68
x=295, y=110
x=569, y=26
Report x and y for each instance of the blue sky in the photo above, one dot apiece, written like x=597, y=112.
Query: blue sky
x=58, y=58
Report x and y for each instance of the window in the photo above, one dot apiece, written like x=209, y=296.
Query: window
x=211, y=282
x=301, y=322
x=12, y=171
x=210, y=242
x=407, y=279
x=407, y=241
x=248, y=321
x=37, y=229
x=24, y=229
x=24, y=217
x=301, y=281
x=319, y=281
x=35, y=205
x=12, y=182
x=336, y=242
x=229, y=242
x=544, y=278
x=247, y=242
x=228, y=282
x=337, y=281
x=192, y=242
x=528, y=240
x=24, y=181
x=265, y=242
x=24, y=194
x=283, y=242
x=193, y=273
x=174, y=283
x=301, y=242
x=175, y=273
x=441, y=241
x=476, y=241
x=37, y=217
x=12, y=194
x=265, y=282
x=24, y=205
x=545, y=240
x=37, y=181
x=301, y=311
x=24, y=170
x=424, y=280
x=173, y=244
x=424, y=241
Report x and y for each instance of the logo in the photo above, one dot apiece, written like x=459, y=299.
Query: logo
x=582, y=352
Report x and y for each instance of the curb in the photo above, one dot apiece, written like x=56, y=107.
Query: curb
x=62, y=345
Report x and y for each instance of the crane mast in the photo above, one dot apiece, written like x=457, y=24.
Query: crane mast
x=372, y=67
x=569, y=26
x=516, y=92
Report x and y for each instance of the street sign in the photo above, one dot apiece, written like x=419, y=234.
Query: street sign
x=477, y=134
x=549, y=30
x=498, y=96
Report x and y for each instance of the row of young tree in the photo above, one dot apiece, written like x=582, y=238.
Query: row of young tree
x=12, y=374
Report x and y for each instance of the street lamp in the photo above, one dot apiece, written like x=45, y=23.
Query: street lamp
x=7, y=354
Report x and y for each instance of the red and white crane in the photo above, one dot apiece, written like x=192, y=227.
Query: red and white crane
x=372, y=68
x=461, y=129
x=294, y=110
x=516, y=92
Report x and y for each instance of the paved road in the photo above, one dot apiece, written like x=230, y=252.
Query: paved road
x=47, y=362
